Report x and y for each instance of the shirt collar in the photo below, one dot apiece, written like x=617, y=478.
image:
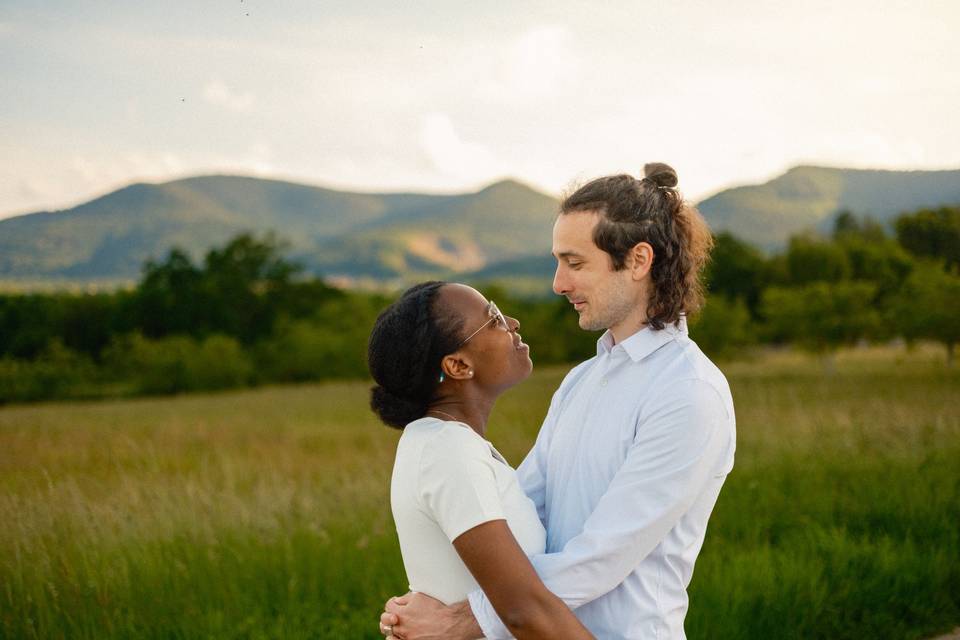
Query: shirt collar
x=643, y=342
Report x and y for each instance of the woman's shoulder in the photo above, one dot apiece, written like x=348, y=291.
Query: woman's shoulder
x=445, y=442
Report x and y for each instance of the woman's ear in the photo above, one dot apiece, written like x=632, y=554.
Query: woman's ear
x=456, y=366
x=640, y=260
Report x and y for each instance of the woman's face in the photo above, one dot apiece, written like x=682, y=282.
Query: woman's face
x=500, y=358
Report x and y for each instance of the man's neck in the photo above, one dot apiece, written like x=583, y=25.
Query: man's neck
x=626, y=328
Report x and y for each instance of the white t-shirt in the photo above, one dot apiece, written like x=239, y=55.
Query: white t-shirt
x=446, y=480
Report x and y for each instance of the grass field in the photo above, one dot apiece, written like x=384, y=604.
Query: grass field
x=264, y=513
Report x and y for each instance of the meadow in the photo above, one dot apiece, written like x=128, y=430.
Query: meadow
x=264, y=513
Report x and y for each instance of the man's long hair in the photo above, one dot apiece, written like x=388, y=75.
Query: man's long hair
x=651, y=209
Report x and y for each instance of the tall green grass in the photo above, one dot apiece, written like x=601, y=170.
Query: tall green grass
x=264, y=513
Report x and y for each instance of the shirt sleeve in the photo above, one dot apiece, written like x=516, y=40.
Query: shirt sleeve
x=457, y=481
x=677, y=449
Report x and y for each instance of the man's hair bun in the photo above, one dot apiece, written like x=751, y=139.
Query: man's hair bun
x=660, y=174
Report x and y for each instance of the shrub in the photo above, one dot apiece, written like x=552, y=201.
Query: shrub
x=58, y=372
x=180, y=363
x=307, y=350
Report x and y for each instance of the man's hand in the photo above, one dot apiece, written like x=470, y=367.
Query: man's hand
x=416, y=616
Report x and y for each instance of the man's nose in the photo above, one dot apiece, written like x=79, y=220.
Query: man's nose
x=559, y=282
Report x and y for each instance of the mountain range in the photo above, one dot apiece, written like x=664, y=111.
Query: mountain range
x=808, y=197
x=499, y=232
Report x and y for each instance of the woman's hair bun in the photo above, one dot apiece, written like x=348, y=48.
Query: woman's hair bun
x=660, y=174
x=394, y=410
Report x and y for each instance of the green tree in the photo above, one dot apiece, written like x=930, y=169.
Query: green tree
x=241, y=282
x=847, y=225
x=932, y=233
x=883, y=262
x=821, y=317
x=240, y=291
x=928, y=308
x=89, y=321
x=736, y=270
x=29, y=322
x=811, y=259
x=723, y=327
x=169, y=299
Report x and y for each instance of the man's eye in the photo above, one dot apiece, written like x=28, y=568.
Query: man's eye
x=574, y=265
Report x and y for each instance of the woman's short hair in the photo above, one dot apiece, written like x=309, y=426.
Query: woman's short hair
x=407, y=343
x=651, y=209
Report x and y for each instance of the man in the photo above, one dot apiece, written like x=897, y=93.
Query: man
x=638, y=440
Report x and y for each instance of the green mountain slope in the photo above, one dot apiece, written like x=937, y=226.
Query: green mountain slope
x=463, y=233
x=335, y=233
x=809, y=197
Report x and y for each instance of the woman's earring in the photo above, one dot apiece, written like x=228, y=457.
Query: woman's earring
x=441, y=376
x=471, y=373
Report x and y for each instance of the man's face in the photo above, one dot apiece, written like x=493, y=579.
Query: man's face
x=604, y=298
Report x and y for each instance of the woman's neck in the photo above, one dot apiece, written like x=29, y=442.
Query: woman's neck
x=471, y=411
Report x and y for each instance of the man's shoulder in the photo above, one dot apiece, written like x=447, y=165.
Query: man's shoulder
x=682, y=365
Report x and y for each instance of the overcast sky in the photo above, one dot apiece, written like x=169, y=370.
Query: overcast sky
x=445, y=96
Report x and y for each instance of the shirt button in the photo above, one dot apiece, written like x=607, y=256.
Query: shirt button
x=603, y=381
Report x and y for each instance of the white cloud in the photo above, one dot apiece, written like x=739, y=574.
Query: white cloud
x=452, y=156
x=540, y=60
x=525, y=70
x=217, y=92
x=256, y=159
x=96, y=173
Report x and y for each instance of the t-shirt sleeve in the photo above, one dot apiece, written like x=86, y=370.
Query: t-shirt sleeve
x=457, y=482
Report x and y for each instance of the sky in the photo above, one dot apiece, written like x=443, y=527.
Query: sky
x=440, y=97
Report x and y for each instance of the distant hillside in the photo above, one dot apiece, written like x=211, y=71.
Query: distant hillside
x=337, y=234
x=809, y=198
x=501, y=232
x=506, y=220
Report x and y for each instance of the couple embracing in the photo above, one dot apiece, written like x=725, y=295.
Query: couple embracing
x=596, y=533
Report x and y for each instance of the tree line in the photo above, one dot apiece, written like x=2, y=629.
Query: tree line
x=823, y=292
x=245, y=315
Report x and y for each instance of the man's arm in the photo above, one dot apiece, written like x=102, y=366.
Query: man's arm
x=503, y=571
x=675, y=452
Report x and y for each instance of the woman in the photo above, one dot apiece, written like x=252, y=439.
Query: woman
x=441, y=355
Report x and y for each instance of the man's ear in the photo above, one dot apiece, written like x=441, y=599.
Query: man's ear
x=640, y=260
x=456, y=366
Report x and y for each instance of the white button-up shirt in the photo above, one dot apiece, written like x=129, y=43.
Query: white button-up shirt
x=624, y=473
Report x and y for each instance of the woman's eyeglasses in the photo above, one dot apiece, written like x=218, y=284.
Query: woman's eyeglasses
x=495, y=316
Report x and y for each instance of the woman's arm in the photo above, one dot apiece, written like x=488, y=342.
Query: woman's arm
x=502, y=570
